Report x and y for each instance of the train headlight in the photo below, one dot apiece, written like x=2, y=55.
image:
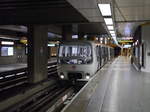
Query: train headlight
x=62, y=76
x=87, y=76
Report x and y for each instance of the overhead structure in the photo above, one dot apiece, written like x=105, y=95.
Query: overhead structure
x=106, y=12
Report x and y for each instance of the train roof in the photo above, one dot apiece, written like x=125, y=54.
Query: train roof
x=84, y=41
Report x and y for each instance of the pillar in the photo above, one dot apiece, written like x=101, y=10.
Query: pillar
x=81, y=36
x=67, y=32
x=91, y=37
x=37, y=53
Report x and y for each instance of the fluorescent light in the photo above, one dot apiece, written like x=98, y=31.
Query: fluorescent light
x=75, y=36
x=105, y=9
x=108, y=21
x=51, y=45
x=127, y=46
x=112, y=32
x=113, y=35
x=110, y=27
x=7, y=43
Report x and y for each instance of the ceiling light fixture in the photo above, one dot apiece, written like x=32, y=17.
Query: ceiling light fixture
x=105, y=9
x=110, y=27
x=112, y=32
x=108, y=21
x=113, y=35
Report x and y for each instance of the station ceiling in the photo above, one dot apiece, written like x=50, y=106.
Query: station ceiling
x=24, y=12
x=128, y=14
x=38, y=12
x=131, y=13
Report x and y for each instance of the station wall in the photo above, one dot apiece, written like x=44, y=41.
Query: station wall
x=146, y=41
x=18, y=57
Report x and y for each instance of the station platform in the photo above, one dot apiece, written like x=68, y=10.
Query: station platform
x=117, y=87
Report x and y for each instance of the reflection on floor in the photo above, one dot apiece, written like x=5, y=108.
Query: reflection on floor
x=119, y=88
x=128, y=90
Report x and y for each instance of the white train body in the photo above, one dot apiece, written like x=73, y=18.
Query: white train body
x=79, y=60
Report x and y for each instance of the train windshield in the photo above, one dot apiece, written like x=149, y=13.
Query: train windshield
x=75, y=54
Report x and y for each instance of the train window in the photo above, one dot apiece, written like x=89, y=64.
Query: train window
x=75, y=50
x=75, y=54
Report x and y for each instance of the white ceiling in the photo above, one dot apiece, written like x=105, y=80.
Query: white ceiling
x=88, y=8
x=128, y=13
x=135, y=12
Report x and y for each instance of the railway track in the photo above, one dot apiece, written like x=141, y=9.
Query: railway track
x=49, y=99
x=18, y=77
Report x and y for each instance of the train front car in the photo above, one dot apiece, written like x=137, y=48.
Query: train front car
x=76, y=60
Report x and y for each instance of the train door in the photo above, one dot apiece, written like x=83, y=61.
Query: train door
x=108, y=53
x=105, y=56
x=98, y=56
x=142, y=50
x=102, y=58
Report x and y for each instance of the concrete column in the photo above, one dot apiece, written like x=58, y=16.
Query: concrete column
x=49, y=53
x=146, y=47
x=99, y=39
x=67, y=32
x=91, y=37
x=37, y=53
x=81, y=36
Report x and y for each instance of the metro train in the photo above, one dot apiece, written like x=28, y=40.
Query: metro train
x=80, y=60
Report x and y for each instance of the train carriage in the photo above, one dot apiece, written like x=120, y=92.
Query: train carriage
x=80, y=60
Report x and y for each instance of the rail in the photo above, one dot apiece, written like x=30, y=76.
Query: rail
x=13, y=78
x=52, y=96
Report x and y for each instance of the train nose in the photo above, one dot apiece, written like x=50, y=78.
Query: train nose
x=87, y=76
x=73, y=67
x=62, y=75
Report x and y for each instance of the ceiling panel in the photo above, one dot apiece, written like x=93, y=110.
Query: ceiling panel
x=129, y=3
x=95, y=28
x=146, y=2
x=127, y=29
x=38, y=12
x=134, y=11
x=94, y=19
x=88, y=8
x=83, y=4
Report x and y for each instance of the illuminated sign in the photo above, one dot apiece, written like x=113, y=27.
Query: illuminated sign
x=7, y=43
x=51, y=45
x=23, y=40
x=126, y=38
x=127, y=46
x=74, y=36
x=125, y=41
x=7, y=51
